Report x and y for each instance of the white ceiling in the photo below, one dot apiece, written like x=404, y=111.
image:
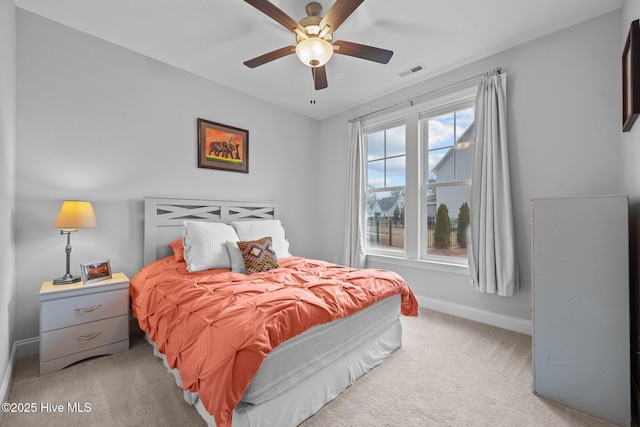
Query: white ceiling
x=212, y=38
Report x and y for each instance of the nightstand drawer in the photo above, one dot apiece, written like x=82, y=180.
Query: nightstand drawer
x=61, y=313
x=75, y=339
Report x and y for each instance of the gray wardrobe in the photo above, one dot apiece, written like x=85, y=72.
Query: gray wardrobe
x=580, y=286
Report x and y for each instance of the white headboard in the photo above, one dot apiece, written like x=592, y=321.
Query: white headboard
x=163, y=218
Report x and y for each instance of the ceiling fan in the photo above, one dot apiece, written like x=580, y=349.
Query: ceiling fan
x=314, y=38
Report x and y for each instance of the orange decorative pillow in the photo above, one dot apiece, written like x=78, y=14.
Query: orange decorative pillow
x=178, y=249
x=258, y=255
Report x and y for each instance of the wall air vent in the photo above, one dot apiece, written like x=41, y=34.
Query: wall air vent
x=412, y=70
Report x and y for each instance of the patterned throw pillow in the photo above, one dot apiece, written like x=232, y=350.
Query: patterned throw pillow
x=258, y=255
x=252, y=230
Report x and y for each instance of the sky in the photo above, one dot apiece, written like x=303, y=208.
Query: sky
x=443, y=131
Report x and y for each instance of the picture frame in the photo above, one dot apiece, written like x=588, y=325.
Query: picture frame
x=222, y=147
x=95, y=271
x=631, y=77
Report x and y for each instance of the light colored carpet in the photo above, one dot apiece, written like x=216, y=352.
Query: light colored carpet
x=449, y=372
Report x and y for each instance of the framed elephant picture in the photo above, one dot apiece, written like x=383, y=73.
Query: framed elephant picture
x=222, y=147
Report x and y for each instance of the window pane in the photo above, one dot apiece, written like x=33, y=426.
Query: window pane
x=463, y=163
x=385, y=220
x=449, y=145
x=386, y=158
x=441, y=131
x=440, y=165
x=375, y=174
x=396, y=141
x=396, y=175
x=463, y=119
x=375, y=145
x=447, y=221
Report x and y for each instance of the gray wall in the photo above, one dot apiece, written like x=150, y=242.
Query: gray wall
x=105, y=124
x=98, y=122
x=564, y=138
x=7, y=188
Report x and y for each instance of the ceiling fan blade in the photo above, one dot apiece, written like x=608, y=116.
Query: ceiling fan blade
x=273, y=12
x=319, y=77
x=369, y=53
x=268, y=57
x=338, y=12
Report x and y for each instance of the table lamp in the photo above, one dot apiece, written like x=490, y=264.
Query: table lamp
x=73, y=214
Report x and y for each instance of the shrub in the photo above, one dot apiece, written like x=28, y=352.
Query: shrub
x=442, y=232
x=464, y=216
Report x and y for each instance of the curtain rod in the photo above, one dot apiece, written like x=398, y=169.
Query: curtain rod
x=411, y=102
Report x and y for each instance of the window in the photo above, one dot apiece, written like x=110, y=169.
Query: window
x=419, y=162
x=447, y=138
x=386, y=178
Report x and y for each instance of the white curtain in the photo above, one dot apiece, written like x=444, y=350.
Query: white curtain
x=354, y=250
x=492, y=254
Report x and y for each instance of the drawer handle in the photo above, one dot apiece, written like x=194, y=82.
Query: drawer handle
x=88, y=337
x=89, y=310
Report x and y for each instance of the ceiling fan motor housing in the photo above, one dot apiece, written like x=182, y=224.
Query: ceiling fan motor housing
x=314, y=9
x=311, y=23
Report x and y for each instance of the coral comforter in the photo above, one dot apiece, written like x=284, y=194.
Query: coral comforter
x=216, y=327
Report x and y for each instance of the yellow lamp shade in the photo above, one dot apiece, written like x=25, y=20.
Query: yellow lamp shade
x=75, y=214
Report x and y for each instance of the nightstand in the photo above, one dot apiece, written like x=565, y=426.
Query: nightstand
x=78, y=321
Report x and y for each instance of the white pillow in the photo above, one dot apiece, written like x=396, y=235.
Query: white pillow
x=237, y=260
x=254, y=230
x=204, y=244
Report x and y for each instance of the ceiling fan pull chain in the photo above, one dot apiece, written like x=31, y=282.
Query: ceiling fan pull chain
x=313, y=72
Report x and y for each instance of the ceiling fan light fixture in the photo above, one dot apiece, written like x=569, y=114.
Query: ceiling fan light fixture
x=314, y=51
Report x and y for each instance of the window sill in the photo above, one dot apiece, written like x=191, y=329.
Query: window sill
x=447, y=267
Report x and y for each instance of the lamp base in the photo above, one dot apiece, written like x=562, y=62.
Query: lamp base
x=66, y=279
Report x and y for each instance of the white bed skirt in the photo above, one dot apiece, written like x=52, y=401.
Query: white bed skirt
x=306, y=397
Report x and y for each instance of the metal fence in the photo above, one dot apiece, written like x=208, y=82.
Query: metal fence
x=431, y=228
x=385, y=232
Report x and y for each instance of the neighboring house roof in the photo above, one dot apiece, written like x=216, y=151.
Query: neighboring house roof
x=387, y=203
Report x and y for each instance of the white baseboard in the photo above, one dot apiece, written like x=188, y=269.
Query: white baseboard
x=27, y=347
x=20, y=349
x=6, y=381
x=515, y=324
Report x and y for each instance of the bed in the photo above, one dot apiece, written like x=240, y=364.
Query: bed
x=267, y=346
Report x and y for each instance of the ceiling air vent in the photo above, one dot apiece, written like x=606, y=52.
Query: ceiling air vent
x=412, y=70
